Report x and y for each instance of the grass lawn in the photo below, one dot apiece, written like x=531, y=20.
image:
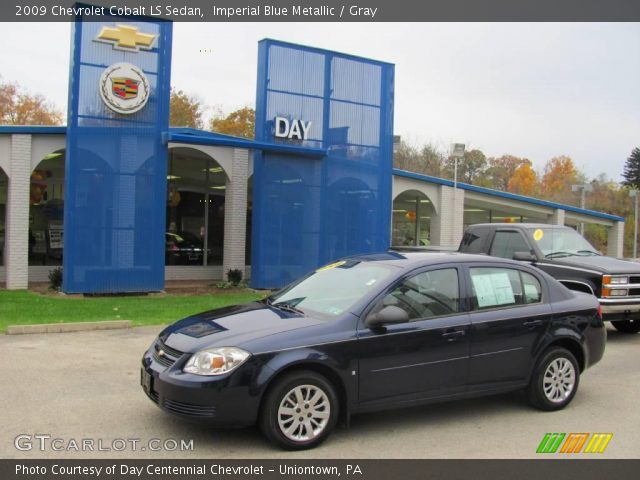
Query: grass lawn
x=22, y=307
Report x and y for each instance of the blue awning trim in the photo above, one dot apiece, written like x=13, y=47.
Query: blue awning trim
x=201, y=137
x=507, y=195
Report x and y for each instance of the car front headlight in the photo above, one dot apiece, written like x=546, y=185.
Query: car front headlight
x=216, y=361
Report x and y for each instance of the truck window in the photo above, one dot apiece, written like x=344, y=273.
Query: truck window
x=505, y=244
x=472, y=242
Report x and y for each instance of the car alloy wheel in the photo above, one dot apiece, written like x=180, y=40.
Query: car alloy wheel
x=554, y=381
x=299, y=410
x=304, y=413
x=559, y=380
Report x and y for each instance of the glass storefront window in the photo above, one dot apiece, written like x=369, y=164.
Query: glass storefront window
x=4, y=183
x=196, y=186
x=46, y=211
x=412, y=213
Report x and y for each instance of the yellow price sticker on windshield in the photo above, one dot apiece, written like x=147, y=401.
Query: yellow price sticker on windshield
x=538, y=234
x=330, y=266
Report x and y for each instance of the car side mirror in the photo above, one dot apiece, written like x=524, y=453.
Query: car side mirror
x=388, y=315
x=524, y=256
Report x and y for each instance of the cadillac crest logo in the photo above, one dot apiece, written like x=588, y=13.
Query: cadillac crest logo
x=124, y=88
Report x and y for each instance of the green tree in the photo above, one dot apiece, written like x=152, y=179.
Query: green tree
x=471, y=167
x=18, y=107
x=185, y=110
x=427, y=159
x=631, y=173
x=239, y=123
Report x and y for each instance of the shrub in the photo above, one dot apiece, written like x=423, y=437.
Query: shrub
x=234, y=276
x=55, y=279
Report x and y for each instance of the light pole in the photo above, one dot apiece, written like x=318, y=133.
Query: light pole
x=634, y=193
x=457, y=152
x=584, y=188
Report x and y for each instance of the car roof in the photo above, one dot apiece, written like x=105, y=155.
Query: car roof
x=416, y=259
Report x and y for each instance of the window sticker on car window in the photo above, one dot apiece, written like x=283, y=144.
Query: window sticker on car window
x=531, y=292
x=330, y=266
x=493, y=289
x=538, y=234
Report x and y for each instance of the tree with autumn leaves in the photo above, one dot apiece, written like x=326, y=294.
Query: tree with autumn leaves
x=19, y=107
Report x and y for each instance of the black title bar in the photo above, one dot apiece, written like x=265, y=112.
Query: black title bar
x=330, y=10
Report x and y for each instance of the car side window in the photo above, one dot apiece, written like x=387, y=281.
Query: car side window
x=425, y=295
x=505, y=244
x=496, y=287
x=532, y=290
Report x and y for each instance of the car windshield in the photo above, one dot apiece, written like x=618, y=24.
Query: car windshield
x=332, y=289
x=561, y=242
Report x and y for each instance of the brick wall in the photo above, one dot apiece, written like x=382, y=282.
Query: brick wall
x=235, y=218
x=17, y=224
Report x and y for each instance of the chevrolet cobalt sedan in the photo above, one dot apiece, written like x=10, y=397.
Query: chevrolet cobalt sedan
x=374, y=332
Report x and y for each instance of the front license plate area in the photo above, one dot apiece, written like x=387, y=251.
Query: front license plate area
x=146, y=380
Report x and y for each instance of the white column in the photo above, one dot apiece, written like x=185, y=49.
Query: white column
x=557, y=218
x=615, y=243
x=235, y=214
x=17, y=221
x=448, y=226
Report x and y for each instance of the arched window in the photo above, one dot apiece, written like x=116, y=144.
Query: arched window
x=196, y=186
x=46, y=210
x=412, y=213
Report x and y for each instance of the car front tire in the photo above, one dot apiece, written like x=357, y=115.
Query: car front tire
x=299, y=411
x=627, y=326
x=555, y=380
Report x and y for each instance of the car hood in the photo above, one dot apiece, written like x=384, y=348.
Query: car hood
x=232, y=326
x=600, y=263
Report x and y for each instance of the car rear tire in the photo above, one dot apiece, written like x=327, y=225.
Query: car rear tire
x=627, y=326
x=299, y=411
x=555, y=380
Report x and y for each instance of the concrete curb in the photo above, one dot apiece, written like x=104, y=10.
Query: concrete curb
x=67, y=327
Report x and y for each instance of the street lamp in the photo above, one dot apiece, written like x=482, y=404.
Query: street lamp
x=634, y=193
x=583, y=188
x=457, y=152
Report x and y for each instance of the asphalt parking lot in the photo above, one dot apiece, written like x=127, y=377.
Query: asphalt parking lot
x=85, y=385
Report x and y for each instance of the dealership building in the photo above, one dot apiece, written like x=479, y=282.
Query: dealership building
x=132, y=202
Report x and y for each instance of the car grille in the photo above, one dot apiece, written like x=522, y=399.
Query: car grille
x=171, y=355
x=634, y=279
x=189, y=409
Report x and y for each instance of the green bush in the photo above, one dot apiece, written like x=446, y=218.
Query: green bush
x=234, y=276
x=55, y=279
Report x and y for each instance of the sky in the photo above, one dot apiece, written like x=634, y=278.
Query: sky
x=534, y=90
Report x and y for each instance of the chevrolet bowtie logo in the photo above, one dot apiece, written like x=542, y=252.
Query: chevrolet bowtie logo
x=126, y=37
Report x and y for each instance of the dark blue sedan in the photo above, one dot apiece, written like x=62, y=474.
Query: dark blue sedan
x=373, y=332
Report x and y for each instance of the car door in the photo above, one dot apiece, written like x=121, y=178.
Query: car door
x=424, y=357
x=509, y=317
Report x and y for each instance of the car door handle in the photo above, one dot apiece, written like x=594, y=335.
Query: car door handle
x=452, y=335
x=532, y=323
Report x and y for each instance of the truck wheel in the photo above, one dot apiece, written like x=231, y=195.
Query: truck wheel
x=627, y=326
x=299, y=411
x=555, y=380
